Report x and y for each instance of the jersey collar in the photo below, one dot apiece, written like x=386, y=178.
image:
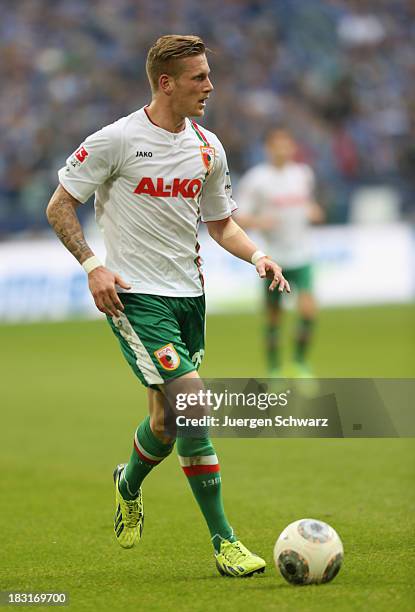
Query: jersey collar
x=160, y=130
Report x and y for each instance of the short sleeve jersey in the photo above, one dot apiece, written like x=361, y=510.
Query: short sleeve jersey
x=152, y=187
x=284, y=194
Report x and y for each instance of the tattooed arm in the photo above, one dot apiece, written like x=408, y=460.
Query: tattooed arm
x=64, y=220
x=61, y=214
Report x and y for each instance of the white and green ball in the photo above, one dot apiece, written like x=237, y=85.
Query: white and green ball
x=308, y=552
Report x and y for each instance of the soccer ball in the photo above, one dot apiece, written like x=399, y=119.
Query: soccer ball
x=308, y=552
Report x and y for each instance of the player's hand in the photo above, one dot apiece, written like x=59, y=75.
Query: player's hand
x=102, y=283
x=267, y=268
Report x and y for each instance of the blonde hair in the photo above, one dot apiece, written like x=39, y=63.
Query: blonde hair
x=163, y=56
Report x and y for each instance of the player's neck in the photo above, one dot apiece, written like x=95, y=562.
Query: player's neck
x=279, y=163
x=165, y=118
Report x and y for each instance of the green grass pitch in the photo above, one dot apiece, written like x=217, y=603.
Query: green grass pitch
x=69, y=408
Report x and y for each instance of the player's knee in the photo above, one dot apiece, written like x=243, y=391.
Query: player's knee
x=158, y=429
x=273, y=315
x=307, y=305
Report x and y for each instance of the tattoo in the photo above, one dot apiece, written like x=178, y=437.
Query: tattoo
x=63, y=218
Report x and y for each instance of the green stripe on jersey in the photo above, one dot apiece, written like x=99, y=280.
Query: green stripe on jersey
x=199, y=133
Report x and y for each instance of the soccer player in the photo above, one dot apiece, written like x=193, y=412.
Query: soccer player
x=276, y=198
x=155, y=175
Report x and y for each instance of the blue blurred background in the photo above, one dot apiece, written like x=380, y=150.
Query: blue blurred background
x=340, y=74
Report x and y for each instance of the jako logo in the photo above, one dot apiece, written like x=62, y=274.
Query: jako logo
x=184, y=187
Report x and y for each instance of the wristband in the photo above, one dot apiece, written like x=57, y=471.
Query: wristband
x=257, y=255
x=91, y=263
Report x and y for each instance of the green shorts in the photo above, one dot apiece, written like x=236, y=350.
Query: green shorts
x=300, y=278
x=162, y=338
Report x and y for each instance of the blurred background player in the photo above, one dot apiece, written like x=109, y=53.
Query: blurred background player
x=277, y=199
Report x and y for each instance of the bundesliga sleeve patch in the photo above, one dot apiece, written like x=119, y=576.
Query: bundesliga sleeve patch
x=168, y=357
x=81, y=154
x=78, y=157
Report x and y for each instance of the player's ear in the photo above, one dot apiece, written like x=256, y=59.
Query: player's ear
x=166, y=84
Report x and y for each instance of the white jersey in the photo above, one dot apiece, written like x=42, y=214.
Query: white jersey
x=152, y=187
x=285, y=194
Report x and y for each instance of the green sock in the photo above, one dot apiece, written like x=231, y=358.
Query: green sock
x=303, y=338
x=272, y=347
x=148, y=452
x=200, y=464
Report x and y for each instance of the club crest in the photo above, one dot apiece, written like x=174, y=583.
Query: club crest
x=208, y=157
x=168, y=357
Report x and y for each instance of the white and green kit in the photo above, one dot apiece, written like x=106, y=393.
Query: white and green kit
x=152, y=188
